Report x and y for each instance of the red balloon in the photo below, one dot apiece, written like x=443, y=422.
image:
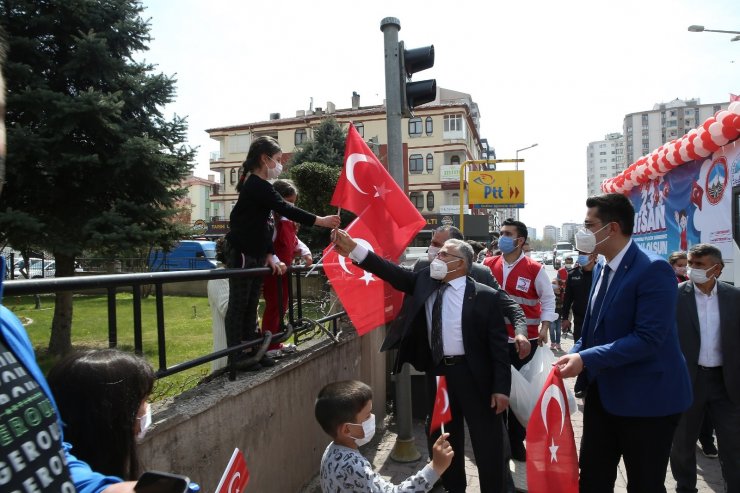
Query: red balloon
x=709, y=121
x=736, y=122
x=731, y=133
x=707, y=143
x=692, y=152
x=677, y=157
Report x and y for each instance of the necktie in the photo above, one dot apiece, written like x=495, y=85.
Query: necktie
x=438, y=350
x=599, y=300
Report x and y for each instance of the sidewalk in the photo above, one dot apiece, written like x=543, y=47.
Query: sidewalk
x=709, y=476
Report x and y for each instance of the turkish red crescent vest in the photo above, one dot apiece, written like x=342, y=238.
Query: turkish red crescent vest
x=520, y=287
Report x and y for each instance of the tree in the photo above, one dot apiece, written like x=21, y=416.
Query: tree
x=327, y=145
x=92, y=163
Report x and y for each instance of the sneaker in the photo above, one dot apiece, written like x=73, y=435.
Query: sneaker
x=289, y=348
x=557, y=346
x=710, y=451
x=518, y=452
x=267, y=361
x=581, y=394
x=552, y=345
x=274, y=353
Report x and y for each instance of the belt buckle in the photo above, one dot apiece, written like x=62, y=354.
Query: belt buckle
x=450, y=360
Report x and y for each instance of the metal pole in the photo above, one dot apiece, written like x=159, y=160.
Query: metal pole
x=404, y=450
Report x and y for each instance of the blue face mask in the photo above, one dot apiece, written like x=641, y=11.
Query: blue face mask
x=506, y=244
x=582, y=260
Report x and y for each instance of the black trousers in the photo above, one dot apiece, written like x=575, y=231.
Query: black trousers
x=517, y=432
x=643, y=442
x=244, y=296
x=577, y=326
x=706, y=433
x=710, y=399
x=468, y=403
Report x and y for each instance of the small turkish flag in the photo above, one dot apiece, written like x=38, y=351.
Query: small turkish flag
x=734, y=97
x=441, y=413
x=552, y=461
x=236, y=475
x=697, y=194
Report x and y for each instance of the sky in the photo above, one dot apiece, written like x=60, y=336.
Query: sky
x=559, y=74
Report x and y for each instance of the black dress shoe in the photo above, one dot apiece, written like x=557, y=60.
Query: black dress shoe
x=266, y=361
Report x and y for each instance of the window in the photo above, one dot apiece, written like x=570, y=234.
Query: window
x=430, y=163
x=417, y=198
x=429, y=124
x=238, y=143
x=300, y=136
x=453, y=123
x=232, y=175
x=414, y=127
x=416, y=163
x=430, y=201
x=360, y=127
x=455, y=160
x=455, y=198
x=602, y=153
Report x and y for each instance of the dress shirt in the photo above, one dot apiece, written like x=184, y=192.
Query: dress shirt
x=542, y=285
x=613, y=265
x=452, y=303
x=707, y=309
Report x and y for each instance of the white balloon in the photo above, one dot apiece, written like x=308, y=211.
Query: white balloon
x=720, y=139
x=715, y=129
x=699, y=148
x=684, y=152
x=734, y=107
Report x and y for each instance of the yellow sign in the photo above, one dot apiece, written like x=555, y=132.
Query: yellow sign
x=496, y=189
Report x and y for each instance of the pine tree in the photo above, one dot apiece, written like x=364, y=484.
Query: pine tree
x=92, y=162
x=326, y=147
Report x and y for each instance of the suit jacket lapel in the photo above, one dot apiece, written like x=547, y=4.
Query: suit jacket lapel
x=724, y=300
x=689, y=300
x=594, y=277
x=617, y=278
x=467, y=308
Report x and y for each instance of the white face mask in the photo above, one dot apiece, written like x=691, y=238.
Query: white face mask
x=368, y=428
x=273, y=173
x=438, y=269
x=432, y=252
x=586, y=239
x=144, y=422
x=699, y=276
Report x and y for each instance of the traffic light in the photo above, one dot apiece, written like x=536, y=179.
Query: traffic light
x=417, y=93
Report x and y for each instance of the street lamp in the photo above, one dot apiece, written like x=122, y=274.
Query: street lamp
x=522, y=149
x=701, y=29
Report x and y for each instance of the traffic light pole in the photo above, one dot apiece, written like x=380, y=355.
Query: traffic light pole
x=404, y=449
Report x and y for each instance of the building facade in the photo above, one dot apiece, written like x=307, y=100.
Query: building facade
x=568, y=231
x=604, y=159
x=436, y=141
x=531, y=233
x=645, y=131
x=550, y=234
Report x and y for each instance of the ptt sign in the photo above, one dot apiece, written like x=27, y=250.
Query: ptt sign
x=496, y=189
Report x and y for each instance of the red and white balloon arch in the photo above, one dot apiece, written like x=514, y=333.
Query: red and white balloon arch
x=698, y=143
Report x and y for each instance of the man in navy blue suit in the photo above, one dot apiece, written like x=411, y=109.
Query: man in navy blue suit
x=628, y=359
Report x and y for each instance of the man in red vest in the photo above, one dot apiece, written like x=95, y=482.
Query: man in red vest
x=527, y=283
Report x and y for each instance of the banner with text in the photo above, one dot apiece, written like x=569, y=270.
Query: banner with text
x=691, y=204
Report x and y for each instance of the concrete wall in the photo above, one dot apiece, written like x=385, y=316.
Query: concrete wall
x=268, y=415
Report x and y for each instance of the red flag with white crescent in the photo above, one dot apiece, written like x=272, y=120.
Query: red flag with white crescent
x=441, y=413
x=236, y=475
x=368, y=300
x=552, y=461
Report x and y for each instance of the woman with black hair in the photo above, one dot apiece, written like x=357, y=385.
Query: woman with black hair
x=102, y=399
x=249, y=239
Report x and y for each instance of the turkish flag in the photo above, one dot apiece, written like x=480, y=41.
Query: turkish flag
x=236, y=475
x=366, y=189
x=552, y=461
x=441, y=413
x=734, y=97
x=697, y=194
x=369, y=301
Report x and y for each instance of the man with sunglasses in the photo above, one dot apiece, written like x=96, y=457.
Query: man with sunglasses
x=451, y=326
x=526, y=282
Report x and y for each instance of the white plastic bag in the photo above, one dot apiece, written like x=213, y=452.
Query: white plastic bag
x=535, y=373
x=522, y=398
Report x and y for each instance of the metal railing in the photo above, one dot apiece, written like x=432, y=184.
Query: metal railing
x=297, y=324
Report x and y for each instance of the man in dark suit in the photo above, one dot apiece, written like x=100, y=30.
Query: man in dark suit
x=577, y=288
x=452, y=326
x=628, y=356
x=708, y=317
x=482, y=274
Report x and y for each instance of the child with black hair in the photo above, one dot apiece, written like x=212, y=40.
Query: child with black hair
x=344, y=411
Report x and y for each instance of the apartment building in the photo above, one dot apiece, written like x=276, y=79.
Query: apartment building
x=439, y=137
x=604, y=159
x=550, y=234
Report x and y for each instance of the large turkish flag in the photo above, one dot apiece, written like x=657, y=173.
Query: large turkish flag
x=236, y=475
x=552, y=461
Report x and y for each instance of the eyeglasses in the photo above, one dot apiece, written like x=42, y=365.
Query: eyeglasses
x=443, y=255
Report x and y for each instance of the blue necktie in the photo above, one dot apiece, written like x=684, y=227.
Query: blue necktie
x=598, y=301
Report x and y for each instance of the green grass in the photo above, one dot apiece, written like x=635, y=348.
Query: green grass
x=187, y=331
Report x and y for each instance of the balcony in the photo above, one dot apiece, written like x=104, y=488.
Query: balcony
x=216, y=156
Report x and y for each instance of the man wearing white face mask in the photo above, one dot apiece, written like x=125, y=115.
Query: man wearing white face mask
x=708, y=317
x=628, y=359
x=451, y=326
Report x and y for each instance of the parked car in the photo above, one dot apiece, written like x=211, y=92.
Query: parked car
x=33, y=270
x=186, y=255
x=539, y=257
